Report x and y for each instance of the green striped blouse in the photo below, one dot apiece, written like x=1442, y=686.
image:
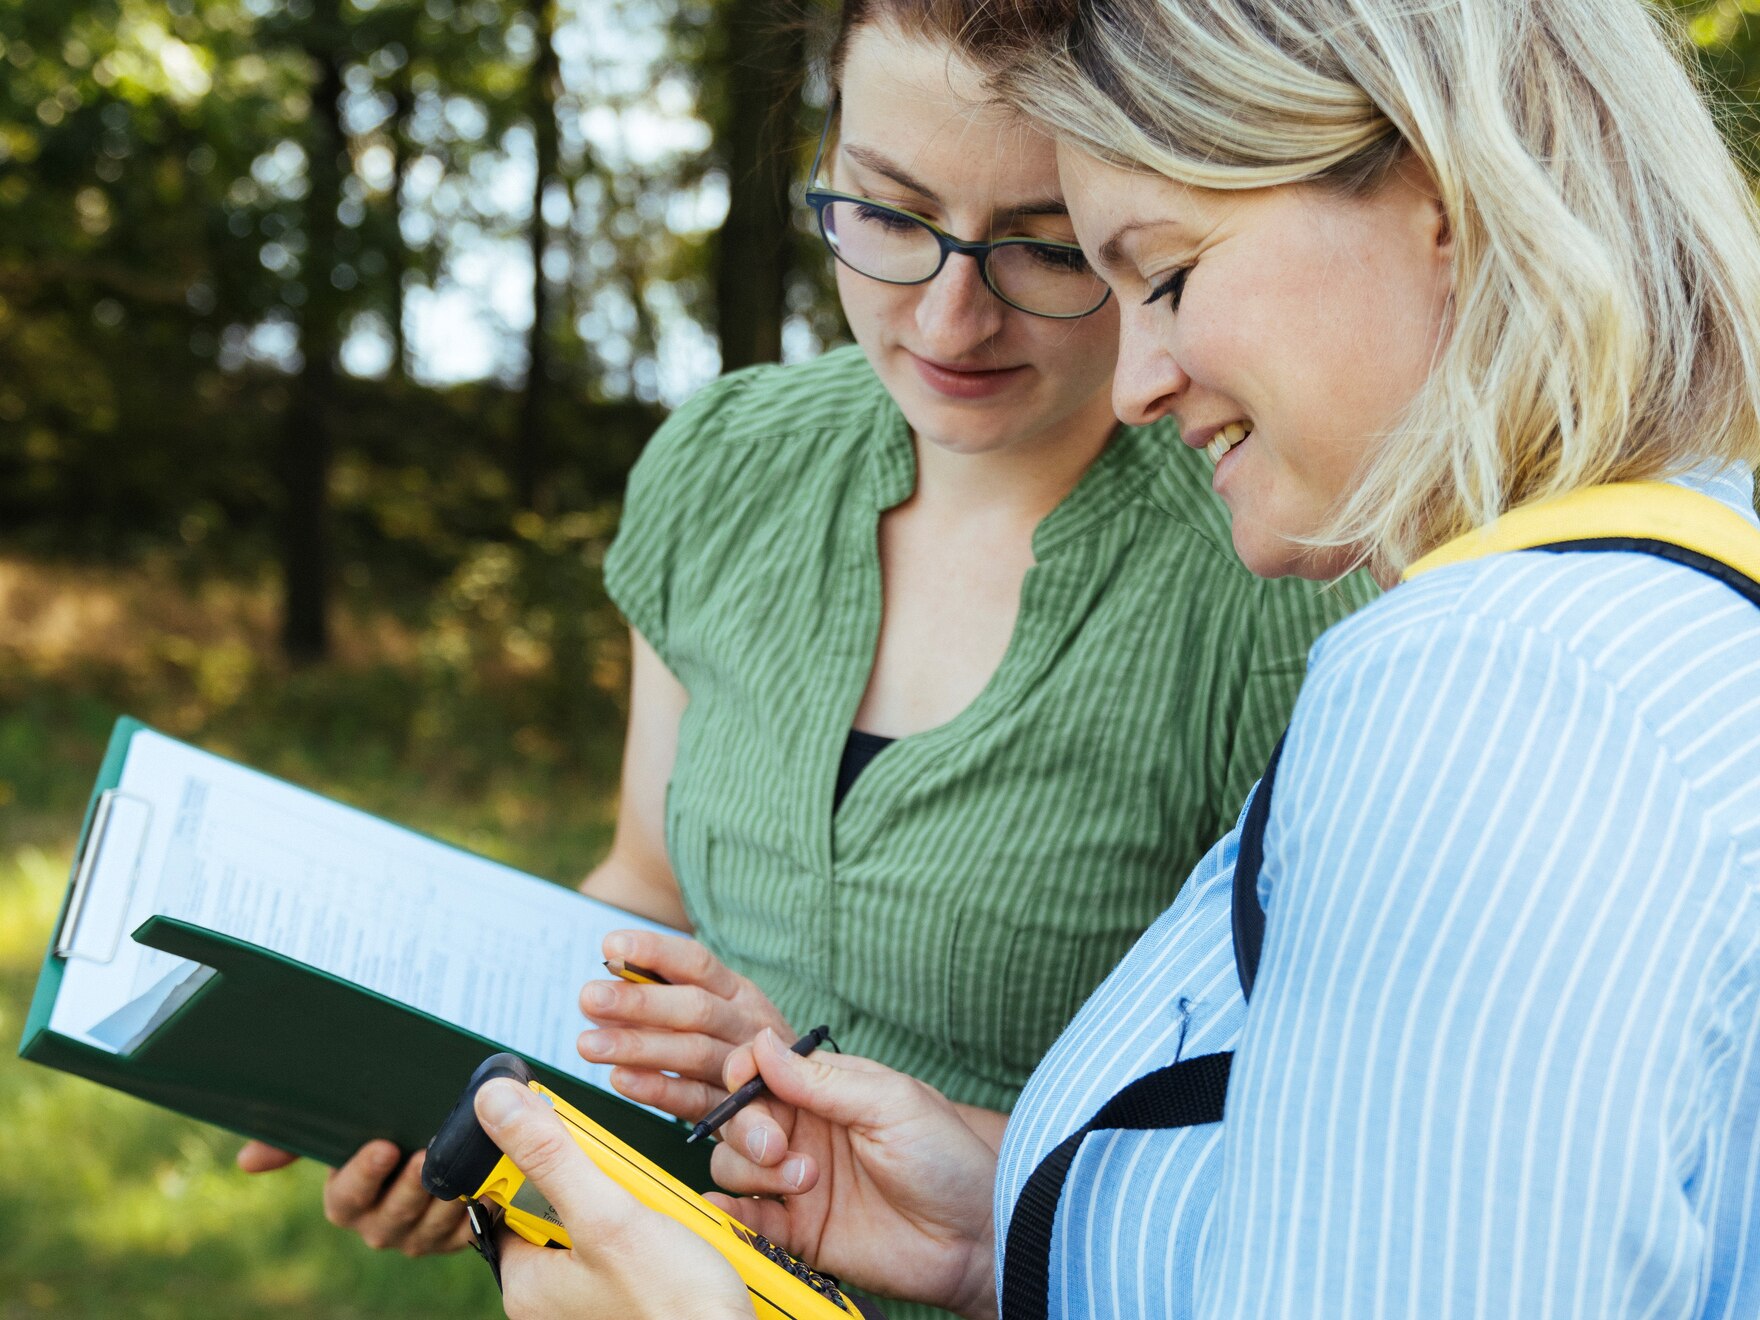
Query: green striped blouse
x=982, y=877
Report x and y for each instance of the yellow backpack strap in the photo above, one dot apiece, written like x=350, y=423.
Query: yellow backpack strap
x=1651, y=517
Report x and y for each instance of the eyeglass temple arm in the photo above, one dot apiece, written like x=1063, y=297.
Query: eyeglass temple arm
x=824, y=136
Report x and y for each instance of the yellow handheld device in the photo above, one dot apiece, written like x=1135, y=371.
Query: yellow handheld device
x=464, y=1164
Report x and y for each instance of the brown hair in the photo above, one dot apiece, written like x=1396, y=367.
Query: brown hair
x=982, y=30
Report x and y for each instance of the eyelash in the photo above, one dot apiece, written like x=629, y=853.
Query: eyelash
x=1174, y=284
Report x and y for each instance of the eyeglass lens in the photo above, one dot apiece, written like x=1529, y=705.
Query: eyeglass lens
x=889, y=245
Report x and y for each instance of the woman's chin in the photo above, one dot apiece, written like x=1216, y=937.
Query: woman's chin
x=963, y=430
x=1268, y=555
x=1273, y=557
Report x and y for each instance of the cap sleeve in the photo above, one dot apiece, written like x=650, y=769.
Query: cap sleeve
x=664, y=503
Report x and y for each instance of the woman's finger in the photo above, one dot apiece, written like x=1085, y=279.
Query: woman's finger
x=740, y=1067
x=738, y=1171
x=530, y=1133
x=406, y=1200
x=387, y=1221
x=441, y=1228
x=527, y=1272
x=354, y=1190
x=761, y=1129
x=688, y=1053
x=682, y=1097
x=683, y=1008
x=758, y=1213
x=627, y=1259
x=841, y=1088
x=678, y=958
x=759, y=1133
x=261, y=1157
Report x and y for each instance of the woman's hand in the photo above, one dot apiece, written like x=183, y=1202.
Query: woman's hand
x=627, y=1261
x=388, y=1212
x=688, y=1027
x=882, y=1182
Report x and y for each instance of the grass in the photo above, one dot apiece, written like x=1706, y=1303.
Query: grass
x=114, y=1207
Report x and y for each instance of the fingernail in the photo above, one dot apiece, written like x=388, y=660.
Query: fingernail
x=757, y=1142
x=794, y=1173
x=596, y=1043
x=617, y=946
x=599, y=994
x=500, y=1101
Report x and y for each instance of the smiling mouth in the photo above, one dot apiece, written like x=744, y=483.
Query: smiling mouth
x=1226, y=439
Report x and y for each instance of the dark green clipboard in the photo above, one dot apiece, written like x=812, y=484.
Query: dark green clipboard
x=278, y=1050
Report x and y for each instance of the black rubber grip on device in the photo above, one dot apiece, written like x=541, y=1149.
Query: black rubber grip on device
x=461, y=1155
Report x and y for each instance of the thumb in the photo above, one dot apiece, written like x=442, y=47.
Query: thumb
x=530, y=1133
x=839, y=1088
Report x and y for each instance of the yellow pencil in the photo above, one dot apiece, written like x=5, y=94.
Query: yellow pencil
x=628, y=971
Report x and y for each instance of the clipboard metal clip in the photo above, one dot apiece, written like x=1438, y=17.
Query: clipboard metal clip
x=104, y=878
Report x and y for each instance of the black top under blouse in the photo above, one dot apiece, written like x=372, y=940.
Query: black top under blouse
x=857, y=752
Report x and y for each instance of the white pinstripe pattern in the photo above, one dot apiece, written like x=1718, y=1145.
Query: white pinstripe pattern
x=1504, y=1054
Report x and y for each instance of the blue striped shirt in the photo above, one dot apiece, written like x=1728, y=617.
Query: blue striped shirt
x=1504, y=1052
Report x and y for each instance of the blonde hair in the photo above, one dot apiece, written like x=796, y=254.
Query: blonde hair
x=1605, y=317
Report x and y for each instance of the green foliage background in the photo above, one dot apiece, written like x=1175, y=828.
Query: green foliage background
x=152, y=213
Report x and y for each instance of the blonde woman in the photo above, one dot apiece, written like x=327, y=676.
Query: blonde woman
x=1407, y=271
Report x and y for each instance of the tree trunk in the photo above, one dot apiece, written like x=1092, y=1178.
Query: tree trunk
x=306, y=441
x=531, y=444
x=764, y=55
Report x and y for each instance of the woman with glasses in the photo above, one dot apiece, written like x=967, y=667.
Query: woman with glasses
x=941, y=673
x=942, y=678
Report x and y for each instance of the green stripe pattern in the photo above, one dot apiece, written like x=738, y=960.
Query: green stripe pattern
x=981, y=878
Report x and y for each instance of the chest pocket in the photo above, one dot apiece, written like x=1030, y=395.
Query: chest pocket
x=1038, y=928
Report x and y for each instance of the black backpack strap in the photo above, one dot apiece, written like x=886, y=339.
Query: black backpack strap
x=1249, y=917
x=1194, y=1091
x=1183, y=1094
x=1733, y=578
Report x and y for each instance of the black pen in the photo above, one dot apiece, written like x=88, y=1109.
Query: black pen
x=753, y=1089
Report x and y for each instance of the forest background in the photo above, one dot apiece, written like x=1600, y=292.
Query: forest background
x=329, y=330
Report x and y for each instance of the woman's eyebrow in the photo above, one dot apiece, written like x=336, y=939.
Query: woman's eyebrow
x=875, y=161
x=881, y=165
x=1045, y=206
x=1111, y=255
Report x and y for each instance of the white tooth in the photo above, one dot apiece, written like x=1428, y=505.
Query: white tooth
x=1234, y=433
x=1216, y=449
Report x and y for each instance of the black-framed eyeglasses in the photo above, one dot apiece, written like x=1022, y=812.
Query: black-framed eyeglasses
x=1039, y=276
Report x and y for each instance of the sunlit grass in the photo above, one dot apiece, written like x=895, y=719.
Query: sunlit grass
x=113, y=1207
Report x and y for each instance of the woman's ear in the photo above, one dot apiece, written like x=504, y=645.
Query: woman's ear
x=1444, y=231
x=1428, y=209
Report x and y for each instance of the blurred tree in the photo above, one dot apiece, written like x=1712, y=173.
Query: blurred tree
x=318, y=303
x=544, y=85
x=755, y=68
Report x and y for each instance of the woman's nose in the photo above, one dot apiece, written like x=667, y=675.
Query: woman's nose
x=1148, y=381
x=956, y=311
